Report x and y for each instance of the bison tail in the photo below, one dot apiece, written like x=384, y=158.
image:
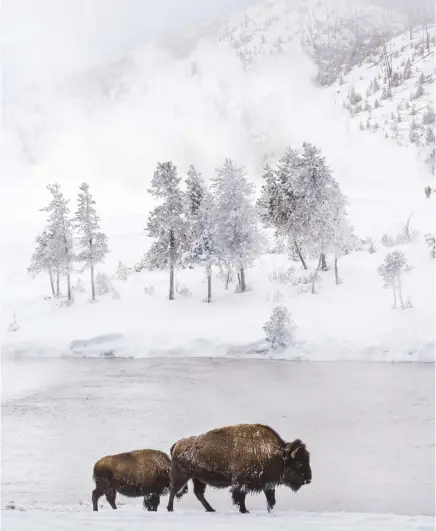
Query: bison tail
x=171, y=449
x=182, y=492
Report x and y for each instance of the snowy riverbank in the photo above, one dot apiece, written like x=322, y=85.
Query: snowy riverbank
x=352, y=321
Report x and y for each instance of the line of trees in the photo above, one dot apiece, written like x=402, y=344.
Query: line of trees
x=214, y=226
x=55, y=252
x=219, y=225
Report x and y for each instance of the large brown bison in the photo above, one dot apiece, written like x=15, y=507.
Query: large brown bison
x=139, y=473
x=246, y=457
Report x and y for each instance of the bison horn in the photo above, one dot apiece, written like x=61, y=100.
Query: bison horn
x=294, y=452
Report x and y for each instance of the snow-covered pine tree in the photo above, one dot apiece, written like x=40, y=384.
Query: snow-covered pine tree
x=320, y=204
x=278, y=329
x=238, y=237
x=195, y=188
x=13, y=326
x=92, y=242
x=204, y=248
x=122, y=272
x=60, y=229
x=391, y=271
x=43, y=259
x=167, y=223
x=278, y=203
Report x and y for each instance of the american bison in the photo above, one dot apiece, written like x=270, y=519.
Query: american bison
x=246, y=457
x=139, y=473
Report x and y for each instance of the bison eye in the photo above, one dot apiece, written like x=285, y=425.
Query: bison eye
x=298, y=464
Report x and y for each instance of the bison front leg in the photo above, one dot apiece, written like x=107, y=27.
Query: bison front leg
x=238, y=498
x=199, y=490
x=270, y=495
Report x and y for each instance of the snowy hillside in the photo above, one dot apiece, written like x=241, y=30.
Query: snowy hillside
x=246, y=89
x=392, y=93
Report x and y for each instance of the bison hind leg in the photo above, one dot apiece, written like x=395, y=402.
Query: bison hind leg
x=238, y=498
x=111, y=494
x=96, y=494
x=151, y=502
x=199, y=490
x=182, y=492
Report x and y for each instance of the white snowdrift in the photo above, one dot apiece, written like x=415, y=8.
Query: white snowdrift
x=352, y=321
x=187, y=520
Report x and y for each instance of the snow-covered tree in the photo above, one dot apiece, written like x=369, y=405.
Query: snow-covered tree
x=430, y=240
x=195, y=189
x=167, y=223
x=60, y=229
x=92, y=242
x=238, y=237
x=391, y=271
x=122, y=272
x=13, y=326
x=204, y=248
x=278, y=329
x=103, y=284
x=43, y=260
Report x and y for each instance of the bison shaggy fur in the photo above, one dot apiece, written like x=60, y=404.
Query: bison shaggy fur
x=144, y=473
x=248, y=458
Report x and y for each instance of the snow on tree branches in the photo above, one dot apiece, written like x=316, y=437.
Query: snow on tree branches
x=238, y=237
x=204, y=248
x=303, y=201
x=167, y=223
x=278, y=329
x=92, y=242
x=60, y=231
x=43, y=259
x=391, y=271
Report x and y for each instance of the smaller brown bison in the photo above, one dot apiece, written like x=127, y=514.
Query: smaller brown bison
x=133, y=474
x=246, y=457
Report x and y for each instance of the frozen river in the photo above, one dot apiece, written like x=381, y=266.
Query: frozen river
x=369, y=427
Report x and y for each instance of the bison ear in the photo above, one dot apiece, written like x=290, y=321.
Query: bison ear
x=293, y=447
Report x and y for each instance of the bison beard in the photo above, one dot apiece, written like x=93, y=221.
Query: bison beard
x=139, y=473
x=247, y=458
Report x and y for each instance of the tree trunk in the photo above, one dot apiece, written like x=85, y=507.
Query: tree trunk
x=92, y=282
x=171, y=293
x=395, y=295
x=315, y=275
x=58, y=291
x=323, y=263
x=337, y=279
x=209, y=284
x=69, y=285
x=400, y=293
x=300, y=256
x=243, y=286
x=228, y=278
x=50, y=274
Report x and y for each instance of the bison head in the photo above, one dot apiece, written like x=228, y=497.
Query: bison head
x=297, y=465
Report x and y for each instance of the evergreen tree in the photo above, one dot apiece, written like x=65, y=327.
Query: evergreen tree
x=43, y=260
x=238, y=237
x=195, y=189
x=391, y=271
x=92, y=242
x=59, y=227
x=167, y=223
x=204, y=249
x=278, y=329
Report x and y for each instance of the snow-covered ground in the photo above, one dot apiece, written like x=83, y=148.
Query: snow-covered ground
x=369, y=427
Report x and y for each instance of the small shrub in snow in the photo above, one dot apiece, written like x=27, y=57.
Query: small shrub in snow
x=278, y=329
x=407, y=234
x=102, y=284
x=239, y=288
x=79, y=286
x=149, y=290
x=182, y=290
x=391, y=270
x=430, y=240
x=387, y=241
x=122, y=272
x=14, y=326
x=281, y=275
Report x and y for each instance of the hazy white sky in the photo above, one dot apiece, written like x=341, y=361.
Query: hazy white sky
x=44, y=38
